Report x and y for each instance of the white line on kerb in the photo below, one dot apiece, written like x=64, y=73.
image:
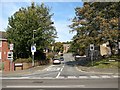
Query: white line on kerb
x=60, y=72
x=65, y=86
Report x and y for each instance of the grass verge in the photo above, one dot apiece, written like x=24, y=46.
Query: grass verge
x=110, y=62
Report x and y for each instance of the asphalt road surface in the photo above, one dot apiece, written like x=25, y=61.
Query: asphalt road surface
x=64, y=76
x=61, y=83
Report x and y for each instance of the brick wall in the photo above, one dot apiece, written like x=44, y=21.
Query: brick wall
x=7, y=65
x=5, y=50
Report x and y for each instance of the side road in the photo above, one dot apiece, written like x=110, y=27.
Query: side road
x=23, y=72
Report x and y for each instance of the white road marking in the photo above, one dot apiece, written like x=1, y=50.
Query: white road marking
x=94, y=77
x=60, y=71
x=72, y=77
x=58, y=74
x=83, y=77
x=105, y=76
x=61, y=77
x=62, y=86
x=115, y=76
x=24, y=77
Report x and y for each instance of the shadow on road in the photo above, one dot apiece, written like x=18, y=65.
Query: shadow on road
x=71, y=63
x=81, y=62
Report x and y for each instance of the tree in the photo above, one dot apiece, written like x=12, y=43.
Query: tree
x=58, y=47
x=95, y=22
x=23, y=22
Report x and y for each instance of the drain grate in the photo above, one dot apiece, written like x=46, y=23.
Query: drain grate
x=38, y=82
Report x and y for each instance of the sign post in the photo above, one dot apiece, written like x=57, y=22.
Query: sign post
x=10, y=55
x=118, y=48
x=92, y=49
x=33, y=50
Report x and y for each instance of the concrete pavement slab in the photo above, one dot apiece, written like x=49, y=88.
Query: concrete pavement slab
x=98, y=70
x=26, y=71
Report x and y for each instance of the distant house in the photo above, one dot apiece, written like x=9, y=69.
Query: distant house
x=66, y=47
x=105, y=49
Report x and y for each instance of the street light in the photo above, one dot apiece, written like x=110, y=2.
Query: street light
x=33, y=36
x=33, y=49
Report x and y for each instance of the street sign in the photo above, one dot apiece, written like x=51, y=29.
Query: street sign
x=11, y=46
x=91, y=47
x=10, y=56
x=33, y=48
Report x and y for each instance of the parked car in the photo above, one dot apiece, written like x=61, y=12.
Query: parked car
x=56, y=61
x=61, y=58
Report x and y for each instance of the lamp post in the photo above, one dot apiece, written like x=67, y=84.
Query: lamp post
x=119, y=36
x=33, y=49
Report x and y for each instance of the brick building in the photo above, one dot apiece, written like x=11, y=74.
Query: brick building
x=66, y=47
x=4, y=52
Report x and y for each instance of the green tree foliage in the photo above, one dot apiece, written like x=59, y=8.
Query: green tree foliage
x=23, y=22
x=95, y=22
x=58, y=47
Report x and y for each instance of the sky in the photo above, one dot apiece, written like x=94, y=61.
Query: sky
x=63, y=13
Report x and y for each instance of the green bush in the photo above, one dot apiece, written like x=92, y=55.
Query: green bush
x=23, y=60
x=1, y=66
x=49, y=56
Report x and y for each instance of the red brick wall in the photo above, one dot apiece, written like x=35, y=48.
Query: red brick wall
x=7, y=65
x=5, y=49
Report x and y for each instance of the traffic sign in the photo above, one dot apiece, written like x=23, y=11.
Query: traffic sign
x=10, y=56
x=33, y=48
x=11, y=46
x=91, y=47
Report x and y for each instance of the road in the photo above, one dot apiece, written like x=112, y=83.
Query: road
x=65, y=75
x=61, y=83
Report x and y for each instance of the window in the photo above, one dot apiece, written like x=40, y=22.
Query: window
x=0, y=55
x=0, y=43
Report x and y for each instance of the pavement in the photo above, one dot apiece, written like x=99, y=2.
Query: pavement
x=98, y=70
x=79, y=68
x=94, y=69
x=24, y=72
